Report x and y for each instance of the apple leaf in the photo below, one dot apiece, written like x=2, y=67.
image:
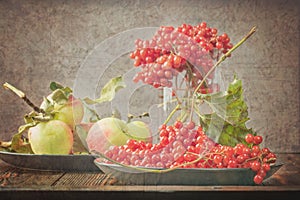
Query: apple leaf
x=54, y=86
x=108, y=91
x=19, y=143
x=226, y=124
x=59, y=96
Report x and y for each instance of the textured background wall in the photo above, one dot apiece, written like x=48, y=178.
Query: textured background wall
x=43, y=41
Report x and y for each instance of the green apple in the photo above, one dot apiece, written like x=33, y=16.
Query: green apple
x=139, y=130
x=107, y=132
x=52, y=137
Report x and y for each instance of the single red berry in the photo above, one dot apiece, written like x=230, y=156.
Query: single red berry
x=255, y=149
x=266, y=167
x=203, y=25
x=240, y=159
x=178, y=124
x=219, y=45
x=255, y=165
x=232, y=164
x=217, y=159
x=258, y=179
x=261, y=172
x=265, y=150
x=257, y=139
x=249, y=138
x=190, y=125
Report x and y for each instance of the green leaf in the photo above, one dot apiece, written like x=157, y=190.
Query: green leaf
x=54, y=86
x=226, y=124
x=108, y=91
x=90, y=115
x=58, y=96
x=47, y=105
x=19, y=143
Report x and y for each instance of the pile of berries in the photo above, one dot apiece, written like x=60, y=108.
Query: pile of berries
x=185, y=145
x=189, y=49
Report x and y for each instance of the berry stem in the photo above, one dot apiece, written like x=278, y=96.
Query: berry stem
x=23, y=96
x=172, y=113
x=251, y=32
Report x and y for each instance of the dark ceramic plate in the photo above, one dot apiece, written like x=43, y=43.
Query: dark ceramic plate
x=50, y=162
x=184, y=176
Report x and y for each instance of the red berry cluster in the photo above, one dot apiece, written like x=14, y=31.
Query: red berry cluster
x=187, y=146
x=188, y=48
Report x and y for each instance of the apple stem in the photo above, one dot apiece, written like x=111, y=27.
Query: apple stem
x=23, y=96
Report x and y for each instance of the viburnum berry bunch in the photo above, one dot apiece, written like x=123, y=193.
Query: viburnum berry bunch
x=187, y=49
x=185, y=145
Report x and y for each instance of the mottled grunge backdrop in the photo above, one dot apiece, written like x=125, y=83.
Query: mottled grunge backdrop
x=44, y=41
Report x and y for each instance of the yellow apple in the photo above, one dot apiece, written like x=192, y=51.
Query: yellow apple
x=52, y=137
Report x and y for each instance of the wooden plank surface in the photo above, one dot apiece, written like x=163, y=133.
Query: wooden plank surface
x=289, y=173
x=81, y=180
x=15, y=179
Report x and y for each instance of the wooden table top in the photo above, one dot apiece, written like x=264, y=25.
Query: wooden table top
x=17, y=183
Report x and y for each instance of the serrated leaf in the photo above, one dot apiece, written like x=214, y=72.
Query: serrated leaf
x=227, y=122
x=109, y=90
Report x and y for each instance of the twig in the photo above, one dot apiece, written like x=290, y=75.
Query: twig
x=23, y=96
